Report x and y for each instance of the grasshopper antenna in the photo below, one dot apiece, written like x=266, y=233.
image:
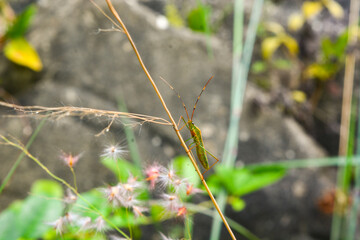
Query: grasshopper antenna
x=197, y=100
x=172, y=88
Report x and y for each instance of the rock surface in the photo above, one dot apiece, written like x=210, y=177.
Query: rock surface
x=88, y=68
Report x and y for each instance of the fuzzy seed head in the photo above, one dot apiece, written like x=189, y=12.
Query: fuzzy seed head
x=59, y=225
x=114, y=152
x=138, y=211
x=170, y=202
x=100, y=224
x=70, y=197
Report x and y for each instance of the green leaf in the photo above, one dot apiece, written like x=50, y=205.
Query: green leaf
x=157, y=213
x=259, y=67
x=198, y=18
x=30, y=216
x=8, y=222
x=282, y=63
x=121, y=168
x=334, y=49
x=261, y=177
x=243, y=181
x=237, y=203
x=21, y=52
x=214, y=183
x=21, y=24
x=47, y=188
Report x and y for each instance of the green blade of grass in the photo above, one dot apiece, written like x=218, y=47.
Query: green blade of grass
x=130, y=137
x=21, y=156
x=307, y=163
x=240, y=70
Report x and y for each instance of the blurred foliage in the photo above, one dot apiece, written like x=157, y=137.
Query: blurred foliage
x=310, y=9
x=331, y=60
x=21, y=52
x=199, y=17
x=33, y=217
x=299, y=96
x=279, y=38
x=16, y=48
x=241, y=181
x=173, y=16
x=27, y=219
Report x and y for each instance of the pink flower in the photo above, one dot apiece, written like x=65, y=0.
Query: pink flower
x=181, y=212
x=191, y=190
x=152, y=173
x=112, y=194
x=69, y=159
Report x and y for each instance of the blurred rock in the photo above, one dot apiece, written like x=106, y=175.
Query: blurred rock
x=91, y=68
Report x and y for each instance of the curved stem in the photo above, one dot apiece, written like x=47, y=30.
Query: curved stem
x=74, y=176
x=116, y=15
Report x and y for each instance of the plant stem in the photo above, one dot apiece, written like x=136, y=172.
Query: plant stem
x=240, y=69
x=21, y=156
x=344, y=173
x=183, y=144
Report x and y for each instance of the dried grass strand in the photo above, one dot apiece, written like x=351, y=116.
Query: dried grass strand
x=70, y=111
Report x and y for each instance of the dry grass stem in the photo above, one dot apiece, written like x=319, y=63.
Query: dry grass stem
x=69, y=111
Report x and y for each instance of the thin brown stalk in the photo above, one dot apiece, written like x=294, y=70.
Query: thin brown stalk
x=68, y=111
x=349, y=79
x=183, y=144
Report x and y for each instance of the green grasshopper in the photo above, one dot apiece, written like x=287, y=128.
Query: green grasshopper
x=195, y=131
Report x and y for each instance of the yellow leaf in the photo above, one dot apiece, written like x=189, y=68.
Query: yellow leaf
x=335, y=9
x=316, y=71
x=291, y=44
x=310, y=9
x=298, y=96
x=295, y=22
x=269, y=46
x=274, y=27
x=21, y=52
x=173, y=16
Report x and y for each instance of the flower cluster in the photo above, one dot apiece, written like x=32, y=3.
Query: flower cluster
x=167, y=179
x=125, y=195
x=84, y=223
